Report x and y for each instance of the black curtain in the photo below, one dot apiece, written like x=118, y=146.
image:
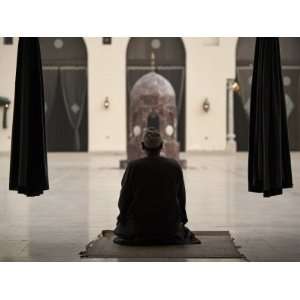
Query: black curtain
x=28, y=164
x=269, y=156
x=60, y=134
x=74, y=87
x=50, y=82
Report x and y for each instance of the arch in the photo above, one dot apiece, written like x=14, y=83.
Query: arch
x=63, y=51
x=170, y=62
x=64, y=61
x=290, y=59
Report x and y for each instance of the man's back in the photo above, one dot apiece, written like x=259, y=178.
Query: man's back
x=152, y=199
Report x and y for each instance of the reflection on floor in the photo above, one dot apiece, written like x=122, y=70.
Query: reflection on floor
x=83, y=201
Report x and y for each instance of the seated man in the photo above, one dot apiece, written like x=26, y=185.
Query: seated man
x=152, y=199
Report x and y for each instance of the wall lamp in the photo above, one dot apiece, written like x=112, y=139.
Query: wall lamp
x=106, y=103
x=206, y=105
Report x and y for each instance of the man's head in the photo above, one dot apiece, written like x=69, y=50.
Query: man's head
x=152, y=142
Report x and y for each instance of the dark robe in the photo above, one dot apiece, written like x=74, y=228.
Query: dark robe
x=269, y=156
x=28, y=162
x=152, y=201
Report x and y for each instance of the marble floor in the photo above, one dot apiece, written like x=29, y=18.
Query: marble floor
x=83, y=199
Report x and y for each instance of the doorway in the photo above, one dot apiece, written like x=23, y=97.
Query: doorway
x=170, y=62
x=64, y=63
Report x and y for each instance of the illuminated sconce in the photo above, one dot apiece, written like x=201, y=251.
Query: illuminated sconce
x=206, y=105
x=106, y=103
x=235, y=86
x=5, y=102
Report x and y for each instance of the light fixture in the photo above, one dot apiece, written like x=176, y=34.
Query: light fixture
x=106, y=40
x=8, y=40
x=206, y=105
x=106, y=103
x=235, y=86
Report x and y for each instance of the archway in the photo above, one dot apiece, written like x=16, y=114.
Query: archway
x=64, y=62
x=170, y=62
x=290, y=59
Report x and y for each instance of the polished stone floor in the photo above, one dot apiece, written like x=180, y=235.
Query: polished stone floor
x=83, y=198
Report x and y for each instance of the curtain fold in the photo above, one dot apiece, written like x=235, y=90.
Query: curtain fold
x=50, y=82
x=177, y=79
x=269, y=165
x=28, y=162
x=73, y=84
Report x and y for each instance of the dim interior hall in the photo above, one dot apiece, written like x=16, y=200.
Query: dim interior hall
x=90, y=121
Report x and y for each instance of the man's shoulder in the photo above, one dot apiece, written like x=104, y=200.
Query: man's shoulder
x=162, y=159
x=134, y=163
x=171, y=162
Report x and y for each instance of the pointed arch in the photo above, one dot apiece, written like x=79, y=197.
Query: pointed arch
x=170, y=61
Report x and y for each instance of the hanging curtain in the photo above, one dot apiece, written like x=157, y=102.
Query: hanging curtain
x=269, y=156
x=28, y=163
x=177, y=78
x=73, y=84
x=50, y=82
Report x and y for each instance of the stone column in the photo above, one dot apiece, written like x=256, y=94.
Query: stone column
x=231, y=143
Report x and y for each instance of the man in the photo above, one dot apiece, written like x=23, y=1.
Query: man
x=152, y=199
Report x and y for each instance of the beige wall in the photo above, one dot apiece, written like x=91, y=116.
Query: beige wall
x=208, y=67
x=106, y=77
x=8, y=59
